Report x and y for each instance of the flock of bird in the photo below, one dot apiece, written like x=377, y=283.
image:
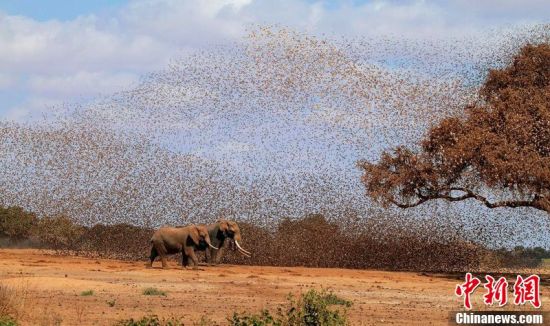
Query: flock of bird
x=267, y=127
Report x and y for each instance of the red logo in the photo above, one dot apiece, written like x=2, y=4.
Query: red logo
x=467, y=288
x=525, y=290
x=496, y=291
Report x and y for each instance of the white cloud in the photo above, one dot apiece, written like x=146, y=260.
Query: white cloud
x=81, y=83
x=86, y=43
x=6, y=81
x=32, y=108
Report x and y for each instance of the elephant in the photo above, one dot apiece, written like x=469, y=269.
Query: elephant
x=186, y=239
x=219, y=232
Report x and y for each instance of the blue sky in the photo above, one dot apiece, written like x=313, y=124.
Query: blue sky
x=70, y=9
x=58, y=9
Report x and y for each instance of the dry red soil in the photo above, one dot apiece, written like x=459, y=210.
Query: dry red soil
x=48, y=289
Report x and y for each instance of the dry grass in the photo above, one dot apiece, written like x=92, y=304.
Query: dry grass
x=14, y=301
x=18, y=306
x=7, y=305
x=47, y=316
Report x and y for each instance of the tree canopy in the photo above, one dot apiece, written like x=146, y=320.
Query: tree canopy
x=497, y=152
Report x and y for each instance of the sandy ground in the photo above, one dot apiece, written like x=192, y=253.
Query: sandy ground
x=48, y=290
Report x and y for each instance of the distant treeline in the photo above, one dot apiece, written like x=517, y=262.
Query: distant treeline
x=311, y=241
x=521, y=256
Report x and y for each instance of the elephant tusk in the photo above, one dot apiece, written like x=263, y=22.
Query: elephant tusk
x=245, y=254
x=241, y=248
x=211, y=246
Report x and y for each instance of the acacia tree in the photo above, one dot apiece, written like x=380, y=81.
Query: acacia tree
x=497, y=153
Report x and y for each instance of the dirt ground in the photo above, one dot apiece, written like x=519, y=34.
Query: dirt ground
x=49, y=290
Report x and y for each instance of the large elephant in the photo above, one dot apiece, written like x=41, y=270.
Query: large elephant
x=185, y=239
x=219, y=232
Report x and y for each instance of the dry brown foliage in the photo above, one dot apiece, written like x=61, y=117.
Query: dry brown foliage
x=501, y=144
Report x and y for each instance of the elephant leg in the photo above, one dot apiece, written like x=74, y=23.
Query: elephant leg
x=210, y=256
x=154, y=254
x=184, y=259
x=162, y=254
x=160, y=249
x=190, y=252
x=218, y=255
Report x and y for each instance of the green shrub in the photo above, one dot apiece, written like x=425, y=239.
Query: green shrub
x=150, y=321
x=153, y=291
x=87, y=293
x=332, y=299
x=205, y=321
x=263, y=319
x=314, y=308
x=7, y=321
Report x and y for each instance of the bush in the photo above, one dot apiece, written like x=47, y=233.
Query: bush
x=16, y=223
x=314, y=308
x=151, y=321
x=153, y=291
x=121, y=241
x=264, y=318
x=205, y=321
x=7, y=321
x=59, y=233
x=520, y=257
x=87, y=293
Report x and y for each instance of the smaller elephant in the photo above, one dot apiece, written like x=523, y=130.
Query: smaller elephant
x=170, y=240
x=220, y=231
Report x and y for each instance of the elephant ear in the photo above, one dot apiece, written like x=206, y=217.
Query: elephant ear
x=223, y=225
x=194, y=234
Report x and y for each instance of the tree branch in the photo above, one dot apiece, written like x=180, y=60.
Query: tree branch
x=538, y=202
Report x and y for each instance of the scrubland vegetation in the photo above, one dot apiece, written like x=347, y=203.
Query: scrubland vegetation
x=313, y=241
x=311, y=308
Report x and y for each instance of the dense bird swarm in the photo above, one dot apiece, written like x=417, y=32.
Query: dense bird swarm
x=272, y=127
